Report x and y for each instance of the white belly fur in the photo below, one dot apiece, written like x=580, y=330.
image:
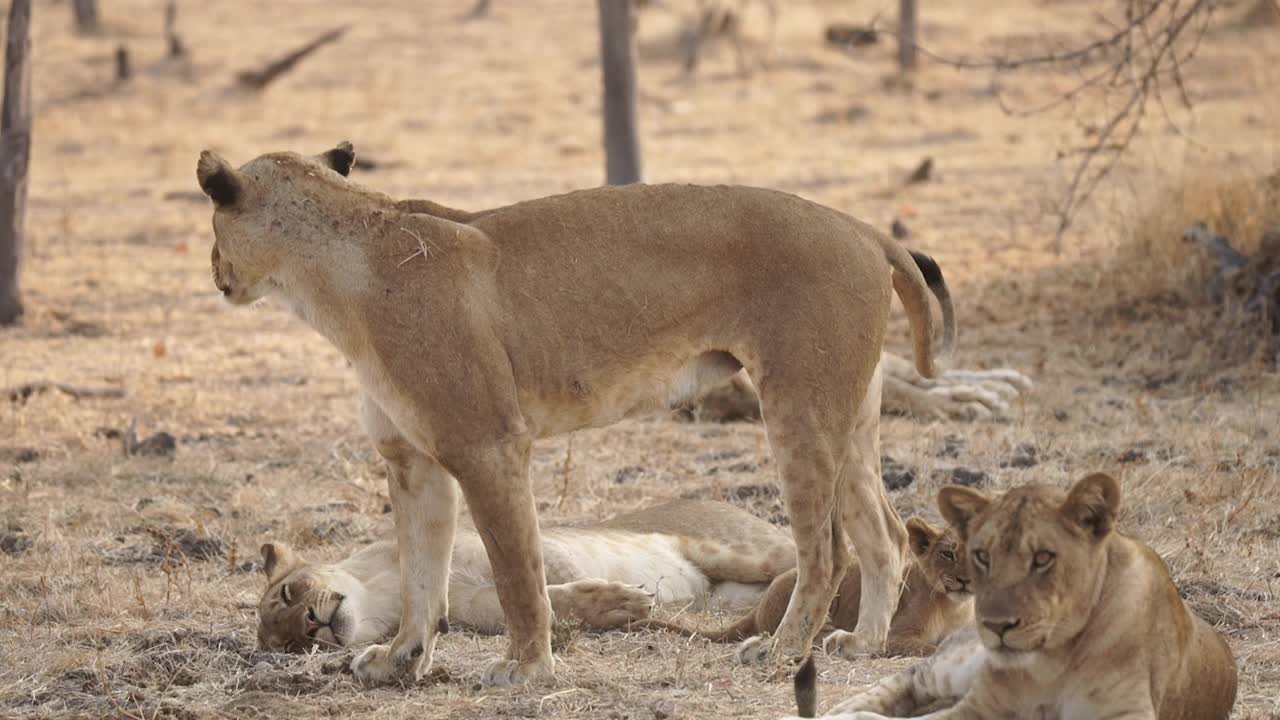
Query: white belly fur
x=651, y=561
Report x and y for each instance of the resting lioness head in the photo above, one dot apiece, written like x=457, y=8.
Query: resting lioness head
x=940, y=556
x=306, y=604
x=1035, y=553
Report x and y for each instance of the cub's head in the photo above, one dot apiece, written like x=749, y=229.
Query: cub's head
x=263, y=211
x=306, y=605
x=1037, y=556
x=940, y=555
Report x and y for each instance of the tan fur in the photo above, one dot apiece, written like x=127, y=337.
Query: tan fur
x=470, y=338
x=1074, y=620
x=935, y=599
x=606, y=575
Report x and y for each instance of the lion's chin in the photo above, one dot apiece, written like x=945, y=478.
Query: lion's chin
x=239, y=297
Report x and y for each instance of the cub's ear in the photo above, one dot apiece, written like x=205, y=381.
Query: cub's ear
x=960, y=505
x=341, y=158
x=1093, y=503
x=277, y=560
x=218, y=179
x=922, y=536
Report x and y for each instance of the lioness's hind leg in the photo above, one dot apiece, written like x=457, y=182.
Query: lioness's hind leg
x=805, y=436
x=878, y=535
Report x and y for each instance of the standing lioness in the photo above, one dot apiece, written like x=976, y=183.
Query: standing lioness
x=471, y=338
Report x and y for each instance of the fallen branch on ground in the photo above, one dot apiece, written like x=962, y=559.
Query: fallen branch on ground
x=259, y=79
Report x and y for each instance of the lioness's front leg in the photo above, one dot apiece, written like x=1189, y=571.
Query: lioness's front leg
x=424, y=501
x=495, y=481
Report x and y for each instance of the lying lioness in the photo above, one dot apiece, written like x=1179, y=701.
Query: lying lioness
x=473, y=334
x=936, y=599
x=605, y=575
x=1075, y=621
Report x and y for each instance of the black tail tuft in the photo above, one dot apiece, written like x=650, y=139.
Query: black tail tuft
x=932, y=273
x=806, y=687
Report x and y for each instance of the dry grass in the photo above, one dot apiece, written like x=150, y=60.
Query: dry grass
x=1156, y=269
x=1237, y=204
x=119, y=576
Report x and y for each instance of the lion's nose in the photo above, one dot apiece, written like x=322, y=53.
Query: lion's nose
x=1000, y=627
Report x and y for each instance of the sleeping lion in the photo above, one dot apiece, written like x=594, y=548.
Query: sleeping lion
x=689, y=553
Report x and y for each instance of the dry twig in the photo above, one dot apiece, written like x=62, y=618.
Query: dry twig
x=1140, y=61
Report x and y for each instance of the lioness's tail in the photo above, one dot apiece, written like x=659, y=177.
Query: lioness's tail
x=744, y=628
x=914, y=276
x=806, y=687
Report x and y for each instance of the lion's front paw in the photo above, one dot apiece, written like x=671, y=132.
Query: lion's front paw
x=509, y=673
x=754, y=650
x=851, y=645
x=604, y=604
x=767, y=652
x=377, y=664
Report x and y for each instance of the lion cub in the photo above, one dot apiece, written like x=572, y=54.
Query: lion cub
x=936, y=599
x=1074, y=621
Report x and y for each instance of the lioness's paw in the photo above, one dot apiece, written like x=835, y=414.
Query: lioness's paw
x=852, y=645
x=754, y=650
x=377, y=664
x=604, y=604
x=509, y=673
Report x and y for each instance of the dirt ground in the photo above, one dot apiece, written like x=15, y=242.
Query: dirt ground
x=119, y=576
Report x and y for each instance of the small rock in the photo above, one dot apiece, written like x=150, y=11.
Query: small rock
x=664, y=709
x=107, y=433
x=162, y=444
x=26, y=455
x=922, y=173
x=1024, y=456
x=899, y=229
x=14, y=543
x=1132, y=455
x=1061, y=415
x=262, y=667
x=750, y=492
x=951, y=446
x=627, y=474
x=961, y=476
x=895, y=475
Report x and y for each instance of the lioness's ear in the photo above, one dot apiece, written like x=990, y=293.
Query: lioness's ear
x=341, y=158
x=1092, y=504
x=218, y=179
x=922, y=536
x=960, y=505
x=277, y=560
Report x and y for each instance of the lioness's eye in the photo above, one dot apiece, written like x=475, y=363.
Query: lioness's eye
x=981, y=558
x=1042, y=560
x=948, y=556
x=284, y=594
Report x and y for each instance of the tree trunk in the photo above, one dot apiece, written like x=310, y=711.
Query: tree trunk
x=907, y=34
x=15, y=149
x=618, y=62
x=86, y=12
